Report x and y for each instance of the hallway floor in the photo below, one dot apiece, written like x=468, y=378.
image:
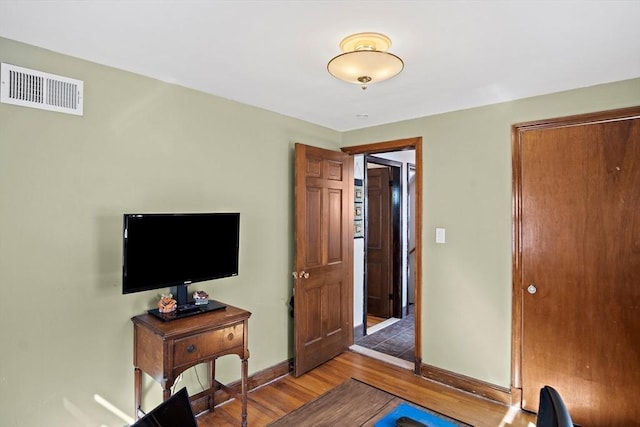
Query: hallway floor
x=396, y=340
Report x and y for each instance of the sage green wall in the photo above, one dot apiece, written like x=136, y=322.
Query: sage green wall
x=466, y=290
x=144, y=145
x=65, y=181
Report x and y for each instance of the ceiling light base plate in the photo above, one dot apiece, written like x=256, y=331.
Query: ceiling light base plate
x=365, y=41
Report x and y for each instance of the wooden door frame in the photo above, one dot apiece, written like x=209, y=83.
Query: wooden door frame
x=516, y=288
x=397, y=238
x=401, y=145
x=407, y=178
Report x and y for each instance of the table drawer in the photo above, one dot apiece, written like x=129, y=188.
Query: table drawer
x=203, y=345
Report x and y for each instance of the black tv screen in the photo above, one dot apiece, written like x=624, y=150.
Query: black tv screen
x=166, y=250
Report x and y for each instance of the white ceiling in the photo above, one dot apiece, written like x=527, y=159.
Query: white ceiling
x=273, y=54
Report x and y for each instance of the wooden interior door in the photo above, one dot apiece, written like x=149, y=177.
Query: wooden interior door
x=579, y=222
x=323, y=307
x=379, y=243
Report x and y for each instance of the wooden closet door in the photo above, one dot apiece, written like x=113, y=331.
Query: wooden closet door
x=580, y=266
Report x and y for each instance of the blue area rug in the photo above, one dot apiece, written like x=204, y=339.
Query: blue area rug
x=406, y=410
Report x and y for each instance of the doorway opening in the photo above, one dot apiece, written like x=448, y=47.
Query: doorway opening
x=386, y=259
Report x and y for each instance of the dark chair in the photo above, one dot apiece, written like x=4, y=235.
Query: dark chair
x=552, y=411
x=174, y=412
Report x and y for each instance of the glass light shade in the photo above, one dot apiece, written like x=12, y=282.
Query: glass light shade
x=353, y=66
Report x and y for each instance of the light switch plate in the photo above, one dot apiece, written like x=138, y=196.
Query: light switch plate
x=440, y=235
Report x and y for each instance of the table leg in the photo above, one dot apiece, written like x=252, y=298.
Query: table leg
x=243, y=395
x=212, y=385
x=137, y=385
x=166, y=392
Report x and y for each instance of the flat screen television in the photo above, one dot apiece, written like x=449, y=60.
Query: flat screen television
x=174, y=250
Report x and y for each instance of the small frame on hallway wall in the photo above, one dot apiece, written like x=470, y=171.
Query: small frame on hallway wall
x=358, y=213
x=358, y=231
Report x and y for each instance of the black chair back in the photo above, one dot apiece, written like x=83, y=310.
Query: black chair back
x=174, y=412
x=552, y=411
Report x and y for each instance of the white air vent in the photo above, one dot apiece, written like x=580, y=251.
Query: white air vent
x=35, y=89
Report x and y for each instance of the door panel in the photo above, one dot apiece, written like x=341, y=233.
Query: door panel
x=312, y=250
x=323, y=260
x=379, y=243
x=580, y=242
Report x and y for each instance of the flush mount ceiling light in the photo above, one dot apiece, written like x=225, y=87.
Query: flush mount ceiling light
x=365, y=60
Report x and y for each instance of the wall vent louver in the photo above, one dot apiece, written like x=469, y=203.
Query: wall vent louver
x=35, y=89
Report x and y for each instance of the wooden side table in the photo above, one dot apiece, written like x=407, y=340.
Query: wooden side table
x=164, y=350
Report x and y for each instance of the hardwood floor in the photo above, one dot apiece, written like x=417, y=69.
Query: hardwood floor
x=282, y=396
x=374, y=320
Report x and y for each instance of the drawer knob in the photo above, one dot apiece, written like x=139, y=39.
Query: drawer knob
x=230, y=337
x=191, y=348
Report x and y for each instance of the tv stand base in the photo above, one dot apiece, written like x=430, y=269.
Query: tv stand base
x=164, y=350
x=187, y=310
